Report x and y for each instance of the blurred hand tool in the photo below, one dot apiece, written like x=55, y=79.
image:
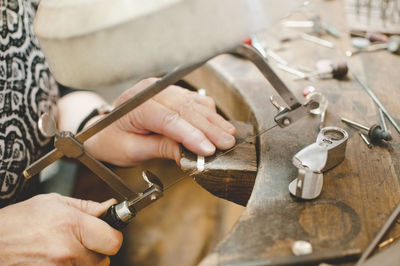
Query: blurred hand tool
x=375, y=132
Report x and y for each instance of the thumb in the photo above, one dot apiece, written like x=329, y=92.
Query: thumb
x=90, y=207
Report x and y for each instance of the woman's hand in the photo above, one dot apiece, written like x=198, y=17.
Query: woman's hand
x=154, y=129
x=51, y=229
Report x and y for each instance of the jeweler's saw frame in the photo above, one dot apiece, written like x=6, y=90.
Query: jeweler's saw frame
x=70, y=145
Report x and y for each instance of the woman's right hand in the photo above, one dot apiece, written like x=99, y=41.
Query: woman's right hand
x=57, y=230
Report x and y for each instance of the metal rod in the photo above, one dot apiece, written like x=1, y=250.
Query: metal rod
x=377, y=102
x=332, y=256
x=316, y=40
x=322, y=120
x=378, y=238
x=135, y=101
x=370, y=48
x=388, y=241
x=354, y=124
x=365, y=139
x=382, y=118
x=271, y=54
x=38, y=165
x=292, y=71
x=108, y=176
x=298, y=24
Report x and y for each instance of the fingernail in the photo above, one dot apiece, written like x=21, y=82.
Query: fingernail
x=178, y=156
x=229, y=127
x=109, y=202
x=207, y=147
x=228, y=140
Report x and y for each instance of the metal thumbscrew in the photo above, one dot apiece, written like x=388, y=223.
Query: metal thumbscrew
x=375, y=132
x=47, y=125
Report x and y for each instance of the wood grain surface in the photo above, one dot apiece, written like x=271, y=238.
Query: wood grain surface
x=227, y=174
x=358, y=195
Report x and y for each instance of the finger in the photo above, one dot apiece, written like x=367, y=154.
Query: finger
x=156, y=117
x=218, y=136
x=143, y=148
x=188, y=96
x=185, y=102
x=137, y=148
x=216, y=119
x=90, y=207
x=90, y=257
x=174, y=97
x=108, y=203
x=206, y=101
x=98, y=236
x=104, y=262
x=129, y=93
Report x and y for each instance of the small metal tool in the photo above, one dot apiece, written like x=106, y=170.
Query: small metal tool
x=382, y=119
x=298, y=24
x=292, y=70
x=328, y=151
x=388, y=241
x=265, y=51
x=277, y=58
x=375, y=132
x=360, y=42
x=318, y=27
x=371, y=36
x=365, y=139
x=317, y=40
x=379, y=236
x=336, y=70
x=322, y=120
x=370, y=48
x=377, y=102
x=392, y=45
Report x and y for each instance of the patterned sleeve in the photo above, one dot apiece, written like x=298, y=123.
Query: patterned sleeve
x=27, y=90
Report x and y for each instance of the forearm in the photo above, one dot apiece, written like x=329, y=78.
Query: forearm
x=74, y=107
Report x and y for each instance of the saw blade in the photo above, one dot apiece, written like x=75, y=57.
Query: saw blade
x=244, y=140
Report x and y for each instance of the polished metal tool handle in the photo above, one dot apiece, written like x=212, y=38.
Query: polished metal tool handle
x=119, y=215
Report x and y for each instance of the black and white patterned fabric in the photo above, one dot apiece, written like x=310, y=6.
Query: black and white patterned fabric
x=27, y=90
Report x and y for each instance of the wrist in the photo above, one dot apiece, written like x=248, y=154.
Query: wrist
x=94, y=115
x=95, y=144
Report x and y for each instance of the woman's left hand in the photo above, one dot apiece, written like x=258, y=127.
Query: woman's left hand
x=154, y=129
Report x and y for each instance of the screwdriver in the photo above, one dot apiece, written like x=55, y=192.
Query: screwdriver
x=336, y=70
x=375, y=132
x=392, y=45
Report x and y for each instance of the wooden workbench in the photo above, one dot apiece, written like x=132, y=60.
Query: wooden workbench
x=357, y=196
